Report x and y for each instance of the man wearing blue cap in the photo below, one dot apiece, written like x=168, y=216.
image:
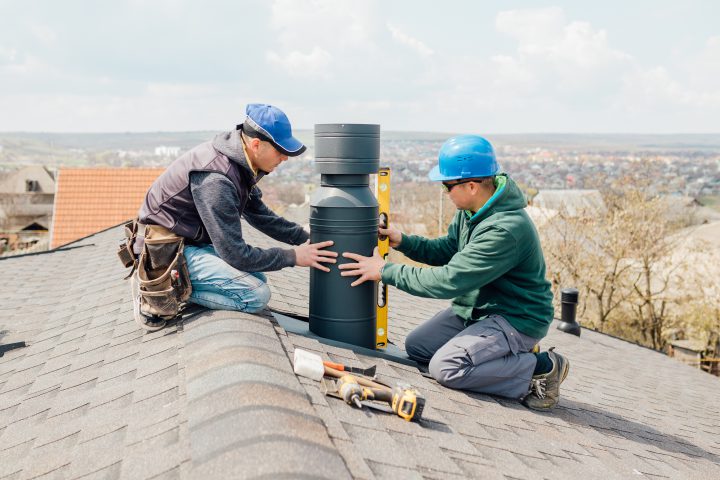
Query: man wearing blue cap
x=200, y=200
x=491, y=265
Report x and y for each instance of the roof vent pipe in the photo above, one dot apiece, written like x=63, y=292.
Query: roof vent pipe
x=569, y=300
x=345, y=211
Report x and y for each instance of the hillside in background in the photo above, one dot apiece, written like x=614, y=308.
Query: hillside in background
x=44, y=143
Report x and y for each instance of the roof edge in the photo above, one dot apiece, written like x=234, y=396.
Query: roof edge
x=67, y=246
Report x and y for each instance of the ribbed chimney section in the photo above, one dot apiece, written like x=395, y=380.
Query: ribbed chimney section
x=344, y=210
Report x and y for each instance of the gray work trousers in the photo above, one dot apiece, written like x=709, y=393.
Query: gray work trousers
x=488, y=356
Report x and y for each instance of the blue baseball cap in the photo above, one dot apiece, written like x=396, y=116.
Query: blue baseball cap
x=271, y=124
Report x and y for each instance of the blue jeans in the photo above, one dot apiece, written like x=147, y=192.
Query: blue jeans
x=217, y=285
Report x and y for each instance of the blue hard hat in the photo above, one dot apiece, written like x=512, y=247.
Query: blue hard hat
x=464, y=156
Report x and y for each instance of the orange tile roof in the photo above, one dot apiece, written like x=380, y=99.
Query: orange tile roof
x=92, y=199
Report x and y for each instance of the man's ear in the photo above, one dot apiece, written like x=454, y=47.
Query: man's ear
x=254, y=144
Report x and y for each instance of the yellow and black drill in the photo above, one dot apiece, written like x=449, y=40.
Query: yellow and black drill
x=403, y=400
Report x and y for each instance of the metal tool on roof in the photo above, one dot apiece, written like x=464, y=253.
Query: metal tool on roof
x=345, y=211
x=353, y=393
x=368, y=372
x=383, y=195
x=365, y=382
x=11, y=346
x=311, y=365
x=407, y=402
x=402, y=400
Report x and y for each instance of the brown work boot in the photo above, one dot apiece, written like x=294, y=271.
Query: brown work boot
x=544, y=391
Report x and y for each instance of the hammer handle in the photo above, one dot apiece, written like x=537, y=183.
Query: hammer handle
x=331, y=372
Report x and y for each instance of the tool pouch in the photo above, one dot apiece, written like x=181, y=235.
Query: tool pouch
x=125, y=249
x=162, y=274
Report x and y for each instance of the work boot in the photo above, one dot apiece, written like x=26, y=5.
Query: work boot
x=544, y=391
x=151, y=323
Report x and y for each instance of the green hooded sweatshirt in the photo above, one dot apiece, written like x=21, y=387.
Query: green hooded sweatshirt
x=489, y=263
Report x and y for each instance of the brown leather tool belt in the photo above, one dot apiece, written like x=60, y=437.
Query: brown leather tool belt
x=162, y=272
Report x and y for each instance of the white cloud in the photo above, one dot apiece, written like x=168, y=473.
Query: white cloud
x=179, y=89
x=316, y=63
x=572, y=64
x=43, y=33
x=411, y=42
x=703, y=69
x=319, y=38
x=656, y=90
x=546, y=35
x=8, y=55
x=551, y=47
x=509, y=72
x=304, y=24
x=529, y=26
x=683, y=95
x=344, y=60
x=349, y=59
x=19, y=68
x=102, y=113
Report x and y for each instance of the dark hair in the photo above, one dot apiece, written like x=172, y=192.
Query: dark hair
x=487, y=181
x=250, y=132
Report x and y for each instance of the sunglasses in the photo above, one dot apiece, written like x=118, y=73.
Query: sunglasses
x=449, y=186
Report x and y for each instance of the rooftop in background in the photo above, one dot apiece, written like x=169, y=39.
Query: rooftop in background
x=575, y=202
x=30, y=179
x=92, y=199
x=214, y=395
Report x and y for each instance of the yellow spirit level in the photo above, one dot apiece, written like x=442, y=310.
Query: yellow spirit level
x=383, y=196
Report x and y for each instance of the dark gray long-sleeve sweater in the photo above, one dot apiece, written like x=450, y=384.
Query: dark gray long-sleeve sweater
x=218, y=204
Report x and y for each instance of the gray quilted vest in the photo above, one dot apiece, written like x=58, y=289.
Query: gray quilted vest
x=169, y=202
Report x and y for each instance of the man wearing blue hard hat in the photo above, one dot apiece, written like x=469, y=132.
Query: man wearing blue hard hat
x=188, y=242
x=491, y=265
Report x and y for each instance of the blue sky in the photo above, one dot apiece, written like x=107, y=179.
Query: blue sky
x=453, y=66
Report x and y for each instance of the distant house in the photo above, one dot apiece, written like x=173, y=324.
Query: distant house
x=26, y=205
x=165, y=151
x=89, y=200
x=574, y=202
x=689, y=210
x=30, y=179
x=696, y=354
x=539, y=215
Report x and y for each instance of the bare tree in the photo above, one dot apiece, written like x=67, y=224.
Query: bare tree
x=623, y=262
x=586, y=251
x=651, y=246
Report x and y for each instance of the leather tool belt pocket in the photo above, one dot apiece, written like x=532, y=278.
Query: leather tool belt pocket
x=162, y=273
x=125, y=249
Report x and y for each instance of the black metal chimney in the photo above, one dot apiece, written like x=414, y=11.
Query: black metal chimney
x=344, y=210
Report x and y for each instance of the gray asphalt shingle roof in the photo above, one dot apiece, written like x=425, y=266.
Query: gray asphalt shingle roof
x=215, y=396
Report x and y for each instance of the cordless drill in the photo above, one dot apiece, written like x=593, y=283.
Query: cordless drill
x=403, y=400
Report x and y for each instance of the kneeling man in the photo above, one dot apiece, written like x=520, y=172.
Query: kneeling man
x=491, y=265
